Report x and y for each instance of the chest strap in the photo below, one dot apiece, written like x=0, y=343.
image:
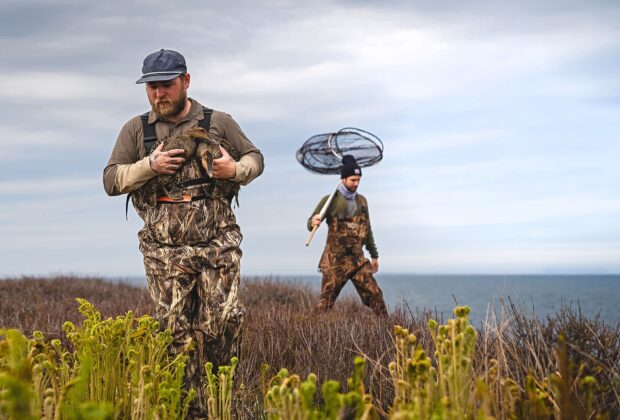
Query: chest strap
x=185, y=199
x=193, y=182
x=150, y=137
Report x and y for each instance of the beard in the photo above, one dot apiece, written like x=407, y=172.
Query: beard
x=165, y=108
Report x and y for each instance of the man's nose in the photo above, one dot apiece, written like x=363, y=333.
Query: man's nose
x=160, y=91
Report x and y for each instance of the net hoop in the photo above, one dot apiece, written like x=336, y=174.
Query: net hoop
x=323, y=153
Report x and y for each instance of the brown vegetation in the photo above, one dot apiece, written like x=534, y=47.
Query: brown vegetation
x=44, y=304
x=282, y=331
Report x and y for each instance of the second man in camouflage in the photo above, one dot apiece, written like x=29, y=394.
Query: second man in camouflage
x=349, y=230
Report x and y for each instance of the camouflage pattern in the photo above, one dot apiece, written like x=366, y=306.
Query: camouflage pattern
x=199, y=152
x=223, y=188
x=343, y=259
x=188, y=141
x=191, y=256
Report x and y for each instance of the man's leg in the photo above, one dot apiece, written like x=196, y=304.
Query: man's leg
x=368, y=289
x=220, y=313
x=173, y=287
x=334, y=279
x=330, y=289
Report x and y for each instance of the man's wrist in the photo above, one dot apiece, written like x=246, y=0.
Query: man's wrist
x=148, y=168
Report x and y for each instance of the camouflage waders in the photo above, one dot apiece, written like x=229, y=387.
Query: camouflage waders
x=343, y=259
x=191, y=256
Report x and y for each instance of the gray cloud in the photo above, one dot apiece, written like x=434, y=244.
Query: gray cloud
x=496, y=118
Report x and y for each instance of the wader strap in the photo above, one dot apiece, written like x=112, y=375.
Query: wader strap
x=127, y=204
x=149, y=133
x=193, y=182
x=194, y=198
x=210, y=185
x=186, y=199
x=206, y=121
x=150, y=138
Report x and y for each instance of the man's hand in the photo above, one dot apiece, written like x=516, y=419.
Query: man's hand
x=316, y=220
x=224, y=167
x=166, y=162
x=374, y=263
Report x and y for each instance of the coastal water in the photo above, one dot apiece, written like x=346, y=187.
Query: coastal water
x=535, y=295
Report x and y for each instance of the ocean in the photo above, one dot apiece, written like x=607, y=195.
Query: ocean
x=535, y=295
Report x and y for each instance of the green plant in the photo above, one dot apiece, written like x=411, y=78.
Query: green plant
x=219, y=390
x=17, y=395
x=290, y=398
x=445, y=388
x=114, y=368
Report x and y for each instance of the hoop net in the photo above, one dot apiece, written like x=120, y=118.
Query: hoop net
x=323, y=153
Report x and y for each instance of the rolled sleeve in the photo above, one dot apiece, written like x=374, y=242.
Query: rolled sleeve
x=247, y=169
x=131, y=176
x=251, y=162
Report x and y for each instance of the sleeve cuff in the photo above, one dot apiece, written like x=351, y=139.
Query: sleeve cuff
x=240, y=172
x=246, y=170
x=144, y=167
x=131, y=176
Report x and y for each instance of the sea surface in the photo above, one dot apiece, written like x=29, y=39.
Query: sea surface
x=535, y=295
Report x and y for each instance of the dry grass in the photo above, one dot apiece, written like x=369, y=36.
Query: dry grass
x=44, y=304
x=282, y=330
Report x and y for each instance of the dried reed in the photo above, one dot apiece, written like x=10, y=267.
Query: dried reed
x=526, y=366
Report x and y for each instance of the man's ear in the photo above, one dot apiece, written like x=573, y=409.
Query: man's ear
x=185, y=79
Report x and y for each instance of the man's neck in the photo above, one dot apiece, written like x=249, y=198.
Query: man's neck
x=347, y=193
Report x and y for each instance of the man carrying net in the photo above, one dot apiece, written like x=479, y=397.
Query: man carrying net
x=349, y=230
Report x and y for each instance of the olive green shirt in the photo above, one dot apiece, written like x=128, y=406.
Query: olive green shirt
x=338, y=209
x=128, y=167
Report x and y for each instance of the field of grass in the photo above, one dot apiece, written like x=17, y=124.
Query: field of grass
x=298, y=364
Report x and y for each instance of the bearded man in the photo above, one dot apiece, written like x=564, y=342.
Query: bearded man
x=348, y=222
x=190, y=243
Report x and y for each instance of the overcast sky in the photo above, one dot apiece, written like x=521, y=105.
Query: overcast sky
x=500, y=122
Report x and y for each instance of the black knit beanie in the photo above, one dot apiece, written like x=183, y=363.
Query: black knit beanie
x=349, y=167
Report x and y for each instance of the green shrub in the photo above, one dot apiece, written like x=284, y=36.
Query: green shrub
x=113, y=368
